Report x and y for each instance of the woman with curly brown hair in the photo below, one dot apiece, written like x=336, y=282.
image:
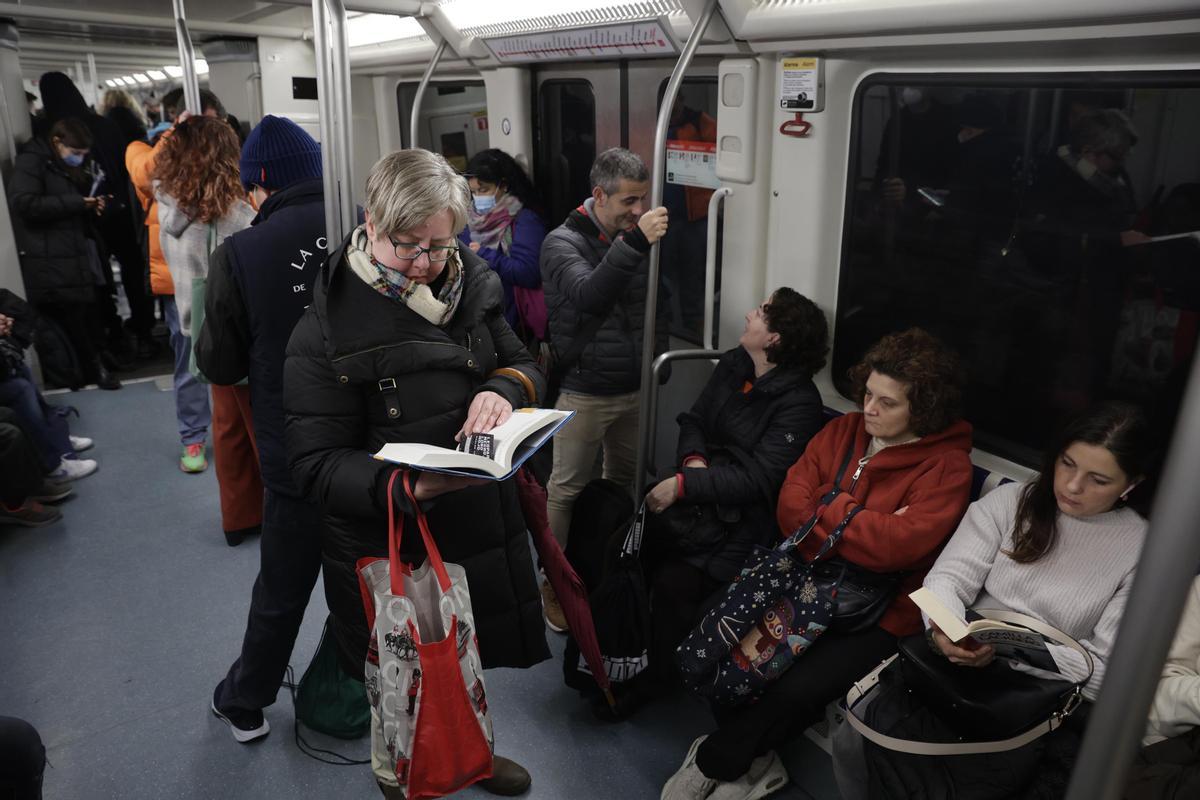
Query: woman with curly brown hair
x=201, y=200
x=906, y=484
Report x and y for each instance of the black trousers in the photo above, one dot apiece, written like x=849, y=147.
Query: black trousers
x=680, y=594
x=21, y=468
x=291, y=561
x=793, y=702
x=22, y=760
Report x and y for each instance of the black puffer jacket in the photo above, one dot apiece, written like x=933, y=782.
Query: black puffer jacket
x=584, y=274
x=349, y=341
x=52, y=226
x=750, y=440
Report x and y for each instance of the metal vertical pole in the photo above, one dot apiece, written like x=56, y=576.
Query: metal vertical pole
x=710, y=267
x=187, y=61
x=333, y=220
x=413, y=126
x=1165, y=571
x=658, y=178
x=343, y=118
x=94, y=81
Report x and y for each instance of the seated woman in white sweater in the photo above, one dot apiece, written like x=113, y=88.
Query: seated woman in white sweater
x=1063, y=549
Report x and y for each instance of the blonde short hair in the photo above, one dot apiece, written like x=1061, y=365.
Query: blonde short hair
x=114, y=98
x=406, y=188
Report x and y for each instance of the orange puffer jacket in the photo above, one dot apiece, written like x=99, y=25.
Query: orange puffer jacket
x=139, y=160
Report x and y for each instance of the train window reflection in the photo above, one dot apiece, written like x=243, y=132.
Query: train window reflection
x=691, y=167
x=566, y=145
x=453, y=119
x=1029, y=224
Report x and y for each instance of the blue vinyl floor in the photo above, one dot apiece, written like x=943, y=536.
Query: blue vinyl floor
x=117, y=622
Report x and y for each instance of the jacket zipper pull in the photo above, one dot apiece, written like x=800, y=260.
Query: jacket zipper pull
x=862, y=464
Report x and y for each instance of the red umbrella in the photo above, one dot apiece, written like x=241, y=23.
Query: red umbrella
x=570, y=588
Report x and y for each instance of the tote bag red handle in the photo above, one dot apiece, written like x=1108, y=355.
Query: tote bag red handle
x=396, y=533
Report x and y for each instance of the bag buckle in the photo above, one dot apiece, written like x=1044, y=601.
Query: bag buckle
x=387, y=385
x=1073, y=702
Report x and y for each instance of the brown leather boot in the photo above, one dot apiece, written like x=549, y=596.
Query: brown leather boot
x=508, y=778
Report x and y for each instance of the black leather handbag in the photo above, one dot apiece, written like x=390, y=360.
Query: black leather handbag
x=992, y=709
x=692, y=528
x=862, y=596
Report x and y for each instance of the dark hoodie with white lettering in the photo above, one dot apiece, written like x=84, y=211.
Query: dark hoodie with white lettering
x=259, y=283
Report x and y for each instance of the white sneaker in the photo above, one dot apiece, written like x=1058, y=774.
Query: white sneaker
x=70, y=469
x=765, y=776
x=80, y=443
x=689, y=783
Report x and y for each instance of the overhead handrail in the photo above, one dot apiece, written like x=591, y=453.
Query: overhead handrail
x=710, y=265
x=343, y=117
x=657, y=178
x=420, y=95
x=187, y=61
x=659, y=363
x=1165, y=571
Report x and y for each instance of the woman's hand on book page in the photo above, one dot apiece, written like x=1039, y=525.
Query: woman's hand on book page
x=979, y=657
x=432, y=484
x=488, y=410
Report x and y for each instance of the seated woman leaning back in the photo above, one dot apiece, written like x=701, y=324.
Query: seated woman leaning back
x=909, y=469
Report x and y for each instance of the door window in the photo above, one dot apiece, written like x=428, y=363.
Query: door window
x=566, y=145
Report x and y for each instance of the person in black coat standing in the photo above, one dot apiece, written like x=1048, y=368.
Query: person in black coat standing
x=259, y=283
x=751, y=422
x=52, y=223
x=405, y=341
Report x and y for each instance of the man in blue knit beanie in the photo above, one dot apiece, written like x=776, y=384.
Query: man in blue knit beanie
x=259, y=283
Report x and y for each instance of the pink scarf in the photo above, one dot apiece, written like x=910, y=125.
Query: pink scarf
x=493, y=231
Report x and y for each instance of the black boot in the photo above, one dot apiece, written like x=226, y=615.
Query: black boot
x=104, y=378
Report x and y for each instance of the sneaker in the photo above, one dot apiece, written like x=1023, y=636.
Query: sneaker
x=551, y=610
x=70, y=469
x=689, y=783
x=509, y=778
x=80, y=443
x=31, y=515
x=246, y=726
x=192, y=460
x=765, y=776
x=51, y=491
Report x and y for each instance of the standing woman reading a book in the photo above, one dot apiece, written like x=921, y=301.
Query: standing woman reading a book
x=907, y=483
x=405, y=341
x=1063, y=549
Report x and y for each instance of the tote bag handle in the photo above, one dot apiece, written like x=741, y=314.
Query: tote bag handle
x=396, y=533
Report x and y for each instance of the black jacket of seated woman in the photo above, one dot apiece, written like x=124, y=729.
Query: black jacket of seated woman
x=736, y=444
x=340, y=407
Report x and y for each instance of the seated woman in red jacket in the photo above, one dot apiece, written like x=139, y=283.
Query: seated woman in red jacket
x=910, y=471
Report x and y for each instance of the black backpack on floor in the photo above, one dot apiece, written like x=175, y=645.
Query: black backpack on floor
x=60, y=364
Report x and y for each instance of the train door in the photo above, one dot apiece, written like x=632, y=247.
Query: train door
x=453, y=119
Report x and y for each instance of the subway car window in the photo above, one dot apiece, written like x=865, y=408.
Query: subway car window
x=1040, y=228
x=566, y=145
x=453, y=119
x=691, y=167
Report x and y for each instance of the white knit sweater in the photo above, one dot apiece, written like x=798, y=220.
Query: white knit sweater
x=1177, y=703
x=1079, y=587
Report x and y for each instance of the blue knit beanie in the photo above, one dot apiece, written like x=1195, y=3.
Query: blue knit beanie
x=279, y=153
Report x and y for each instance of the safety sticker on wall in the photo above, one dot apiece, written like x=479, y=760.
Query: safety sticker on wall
x=802, y=87
x=692, y=163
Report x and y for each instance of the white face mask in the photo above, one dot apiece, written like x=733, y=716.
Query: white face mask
x=484, y=203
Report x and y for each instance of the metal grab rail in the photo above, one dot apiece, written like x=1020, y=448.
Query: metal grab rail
x=187, y=61
x=325, y=122
x=658, y=178
x=652, y=392
x=710, y=265
x=334, y=118
x=343, y=118
x=420, y=95
x=1165, y=571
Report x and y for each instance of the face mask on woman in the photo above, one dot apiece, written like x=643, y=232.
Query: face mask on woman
x=73, y=159
x=484, y=203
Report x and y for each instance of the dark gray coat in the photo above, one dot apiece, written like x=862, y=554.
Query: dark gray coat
x=584, y=274
x=52, y=225
x=352, y=338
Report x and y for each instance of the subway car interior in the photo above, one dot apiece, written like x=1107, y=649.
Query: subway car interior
x=886, y=158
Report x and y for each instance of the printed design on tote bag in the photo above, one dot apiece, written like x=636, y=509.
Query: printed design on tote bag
x=400, y=644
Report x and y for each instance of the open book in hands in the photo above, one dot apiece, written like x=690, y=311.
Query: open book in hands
x=510, y=444
x=1010, y=641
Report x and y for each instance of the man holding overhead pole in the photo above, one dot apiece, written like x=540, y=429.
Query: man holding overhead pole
x=259, y=283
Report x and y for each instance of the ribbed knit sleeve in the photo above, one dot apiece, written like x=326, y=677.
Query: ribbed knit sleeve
x=1177, y=702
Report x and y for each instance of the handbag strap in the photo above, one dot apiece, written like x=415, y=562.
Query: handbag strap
x=1056, y=719
x=633, y=539
x=793, y=541
x=836, y=536
x=396, y=533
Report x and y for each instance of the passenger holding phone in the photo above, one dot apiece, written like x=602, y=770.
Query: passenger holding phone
x=53, y=226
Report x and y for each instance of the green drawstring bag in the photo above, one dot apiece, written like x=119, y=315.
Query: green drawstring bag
x=330, y=701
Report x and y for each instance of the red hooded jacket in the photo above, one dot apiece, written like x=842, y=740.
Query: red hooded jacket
x=931, y=476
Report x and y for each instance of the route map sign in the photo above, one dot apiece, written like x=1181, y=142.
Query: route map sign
x=623, y=39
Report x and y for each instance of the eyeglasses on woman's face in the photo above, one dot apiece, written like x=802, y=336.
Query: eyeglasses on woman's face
x=410, y=251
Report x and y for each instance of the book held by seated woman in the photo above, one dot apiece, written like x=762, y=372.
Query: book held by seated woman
x=495, y=455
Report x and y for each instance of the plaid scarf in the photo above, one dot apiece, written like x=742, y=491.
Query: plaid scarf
x=391, y=283
x=493, y=231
